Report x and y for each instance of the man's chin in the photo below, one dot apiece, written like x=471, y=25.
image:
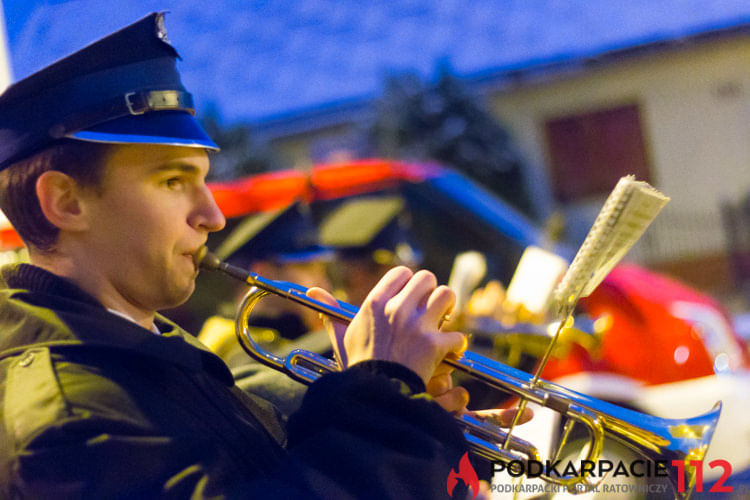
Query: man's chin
x=178, y=295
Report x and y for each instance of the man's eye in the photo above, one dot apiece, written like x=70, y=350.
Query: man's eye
x=173, y=183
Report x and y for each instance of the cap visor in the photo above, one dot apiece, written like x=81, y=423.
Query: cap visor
x=167, y=128
x=313, y=253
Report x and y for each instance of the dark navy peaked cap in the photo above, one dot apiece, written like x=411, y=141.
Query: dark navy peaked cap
x=286, y=235
x=122, y=89
x=372, y=227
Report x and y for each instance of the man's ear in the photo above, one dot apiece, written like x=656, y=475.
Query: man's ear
x=60, y=199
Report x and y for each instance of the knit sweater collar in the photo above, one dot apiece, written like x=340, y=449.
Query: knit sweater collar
x=36, y=279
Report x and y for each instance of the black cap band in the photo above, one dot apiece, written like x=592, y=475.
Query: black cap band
x=131, y=103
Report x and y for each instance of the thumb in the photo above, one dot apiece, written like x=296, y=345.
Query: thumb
x=335, y=329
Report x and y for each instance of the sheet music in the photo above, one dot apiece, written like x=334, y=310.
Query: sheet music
x=626, y=214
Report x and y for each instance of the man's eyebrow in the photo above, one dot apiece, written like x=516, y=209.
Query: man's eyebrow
x=187, y=168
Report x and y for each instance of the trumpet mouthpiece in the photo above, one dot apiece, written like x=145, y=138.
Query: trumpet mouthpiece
x=204, y=259
x=207, y=261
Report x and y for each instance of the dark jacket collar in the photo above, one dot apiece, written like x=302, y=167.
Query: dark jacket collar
x=86, y=322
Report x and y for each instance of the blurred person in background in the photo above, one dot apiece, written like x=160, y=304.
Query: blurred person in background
x=370, y=235
x=280, y=245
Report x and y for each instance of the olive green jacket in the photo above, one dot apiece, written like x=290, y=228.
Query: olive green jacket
x=94, y=406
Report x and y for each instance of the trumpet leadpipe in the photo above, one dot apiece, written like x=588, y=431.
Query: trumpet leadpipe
x=343, y=312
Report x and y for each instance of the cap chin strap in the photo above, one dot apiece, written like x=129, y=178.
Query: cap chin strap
x=129, y=104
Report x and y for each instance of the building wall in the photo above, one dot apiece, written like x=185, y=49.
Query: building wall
x=322, y=145
x=695, y=112
x=294, y=152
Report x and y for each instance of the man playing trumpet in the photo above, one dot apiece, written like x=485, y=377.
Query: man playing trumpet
x=103, y=176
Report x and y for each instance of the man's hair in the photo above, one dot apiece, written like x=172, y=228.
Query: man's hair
x=83, y=161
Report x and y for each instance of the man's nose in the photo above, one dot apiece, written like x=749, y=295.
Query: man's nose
x=207, y=215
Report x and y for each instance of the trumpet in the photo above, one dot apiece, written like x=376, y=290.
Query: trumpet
x=655, y=438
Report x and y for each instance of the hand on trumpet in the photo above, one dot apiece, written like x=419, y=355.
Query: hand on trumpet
x=400, y=321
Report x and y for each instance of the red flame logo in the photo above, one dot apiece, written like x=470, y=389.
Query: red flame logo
x=466, y=473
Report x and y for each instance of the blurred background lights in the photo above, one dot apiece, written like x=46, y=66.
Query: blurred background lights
x=681, y=355
x=721, y=363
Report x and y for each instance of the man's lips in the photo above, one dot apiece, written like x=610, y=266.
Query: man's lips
x=198, y=255
x=195, y=256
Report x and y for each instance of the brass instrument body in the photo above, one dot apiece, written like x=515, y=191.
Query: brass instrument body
x=511, y=341
x=653, y=437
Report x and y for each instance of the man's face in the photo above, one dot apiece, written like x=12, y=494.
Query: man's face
x=151, y=215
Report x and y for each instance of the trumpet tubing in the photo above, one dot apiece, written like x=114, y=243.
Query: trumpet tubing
x=653, y=437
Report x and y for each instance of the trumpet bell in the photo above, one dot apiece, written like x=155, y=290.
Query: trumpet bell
x=658, y=439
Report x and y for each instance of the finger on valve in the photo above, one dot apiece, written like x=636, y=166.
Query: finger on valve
x=440, y=305
x=414, y=294
x=502, y=417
